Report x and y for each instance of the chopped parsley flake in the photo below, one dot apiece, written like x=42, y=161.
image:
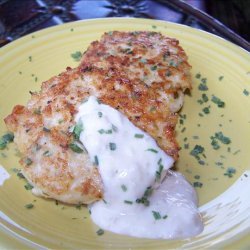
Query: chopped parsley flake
x=230, y=172
x=124, y=188
x=206, y=110
x=218, y=101
x=114, y=128
x=100, y=232
x=29, y=206
x=156, y=215
x=112, y=146
x=203, y=87
x=5, y=139
x=99, y=114
x=197, y=177
x=139, y=135
x=77, y=56
x=128, y=202
x=246, y=92
x=159, y=172
x=152, y=150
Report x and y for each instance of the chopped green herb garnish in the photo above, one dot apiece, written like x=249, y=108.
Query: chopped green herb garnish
x=165, y=217
x=46, y=129
x=144, y=200
x=5, y=139
x=218, y=101
x=203, y=87
x=128, y=202
x=159, y=172
x=222, y=138
x=102, y=131
x=100, y=232
x=30, y=58
x=197, y=184
x=197, y=150
x=47, y=153
x=154, y=67
x=78, y=206
x=99, y=114
x=154, y=26
x=215, y=144
x=28, y=186
x=28, y=161
x=198, y=75
x=221, y=78
x=204, y=97
x=96, y=160
x=114, y=128
x=124, y=188
x=29, y=206
x=77, y=130
x=156, y=215
x=152, y=150
x=230, y=172
x=112, y=146
x=139, y=135
x=20, y=175
x=206, y=110
x=77, y=56
x=245, y=92
x=197, y=177
x=74, y=147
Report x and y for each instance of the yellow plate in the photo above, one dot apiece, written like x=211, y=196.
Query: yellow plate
x=225, y=68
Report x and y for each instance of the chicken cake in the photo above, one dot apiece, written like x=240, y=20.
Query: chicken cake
x=141, y=74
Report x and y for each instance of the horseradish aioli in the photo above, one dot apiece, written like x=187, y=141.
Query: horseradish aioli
x=132, y=168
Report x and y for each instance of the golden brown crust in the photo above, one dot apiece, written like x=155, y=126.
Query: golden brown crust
x=142, y=74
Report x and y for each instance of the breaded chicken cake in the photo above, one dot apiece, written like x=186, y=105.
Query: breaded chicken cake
x=141, y=74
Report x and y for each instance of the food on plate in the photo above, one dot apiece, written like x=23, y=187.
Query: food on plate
x=109, y=120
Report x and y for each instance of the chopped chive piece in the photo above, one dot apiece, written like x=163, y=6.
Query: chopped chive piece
x=204, y=97
x=154, y=26
x=206, y=110
x=46, y=129
x=139, y=135
x=115, y=129
x=198, y=75
x=124, y=188
x=28, y=186
x=28, y=161
x=77, y=130
x=222, y=138
x=20, y=175
x=76, y=56
x=74, y=147
x=99, y=114
x=230, y=172
x=128, y=202
x=202, y=87
x=197, y=150
x=29, y=206
x=245, y=92
x=96, y=160
x=112, y=146
x=215, y=144
x=197, y=184
x=100, y=232
x=78, y=206
x=197, y=177
x=218, y=101
x=221, y=78
x=144, y=199
x=156, y=215
x=5, y=139
x=104, y=201
x=47, y=153
x=159, y=172
x=152, y=150
x=154, y=67
x=165, y=217
x=103, y=131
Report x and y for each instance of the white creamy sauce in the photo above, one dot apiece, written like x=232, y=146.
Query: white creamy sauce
x=137, y=202
x=4, y=175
